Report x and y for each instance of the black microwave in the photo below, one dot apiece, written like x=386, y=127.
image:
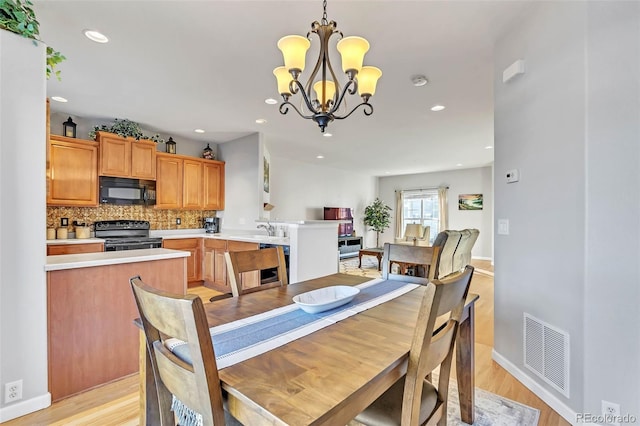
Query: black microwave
x=124, y=191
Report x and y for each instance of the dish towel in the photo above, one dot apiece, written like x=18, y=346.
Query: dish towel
x=240, y=340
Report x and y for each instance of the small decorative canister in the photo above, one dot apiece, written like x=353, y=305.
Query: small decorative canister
x=51, y=233
x=62, y=233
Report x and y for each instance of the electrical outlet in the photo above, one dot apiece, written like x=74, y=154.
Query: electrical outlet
x=13, y=391
x=178, y=221
x=611, y=412
x=64, y=221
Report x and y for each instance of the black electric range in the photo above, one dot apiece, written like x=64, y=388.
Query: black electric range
x=126, y=235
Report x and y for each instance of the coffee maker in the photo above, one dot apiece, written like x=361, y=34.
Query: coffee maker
x=211, y=225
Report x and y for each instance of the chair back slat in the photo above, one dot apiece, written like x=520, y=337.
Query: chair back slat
x=239, y=262
x=197, y=385
x=429, y=349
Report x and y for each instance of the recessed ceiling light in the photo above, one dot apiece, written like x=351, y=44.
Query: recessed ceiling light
x=327, y=135
x=261, y=121
x=199, y=130
x=387, y=173
x=320, y=157
x=419, y=80
x=96, y=36
x=270, y=101
x=58, y=99
x=488, y=147
x=437, y=108
x=459, y=165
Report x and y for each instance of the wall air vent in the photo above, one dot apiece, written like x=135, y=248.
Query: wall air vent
x=546, y=352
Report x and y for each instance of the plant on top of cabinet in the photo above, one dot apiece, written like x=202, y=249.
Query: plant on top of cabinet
x=18, y=17
x=126, y=129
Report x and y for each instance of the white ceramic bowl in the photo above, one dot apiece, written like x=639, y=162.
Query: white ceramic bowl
x=323, y=299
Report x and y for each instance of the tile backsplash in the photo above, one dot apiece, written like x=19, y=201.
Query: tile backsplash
x=158, y=219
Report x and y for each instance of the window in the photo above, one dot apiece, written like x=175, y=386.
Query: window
x=422, y=207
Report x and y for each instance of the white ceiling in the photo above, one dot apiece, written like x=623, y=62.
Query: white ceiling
x=175, y=66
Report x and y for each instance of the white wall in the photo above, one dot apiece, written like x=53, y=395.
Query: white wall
x=466, y=181
x=23, y=309
x=570, y=125
x=302, y=190
x=612, y=291
x=243, y=182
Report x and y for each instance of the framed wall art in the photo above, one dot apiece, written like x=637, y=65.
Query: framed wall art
x=470, y=202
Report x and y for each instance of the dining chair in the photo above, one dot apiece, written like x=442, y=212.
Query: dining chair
x=194, y=382
x=422, y=259
x=414, y=400
x=240, y=262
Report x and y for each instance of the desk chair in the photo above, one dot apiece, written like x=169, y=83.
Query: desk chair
x=196, y=384
x=423, y=259
x=412, y=400
x=240, y=262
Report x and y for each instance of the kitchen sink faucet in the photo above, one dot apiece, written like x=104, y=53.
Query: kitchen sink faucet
x=271, y=230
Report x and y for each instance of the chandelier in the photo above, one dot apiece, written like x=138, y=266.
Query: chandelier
x=322, y=106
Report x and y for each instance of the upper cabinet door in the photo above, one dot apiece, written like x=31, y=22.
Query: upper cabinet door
x=73, y=172
x=115, y=155
x=213, y=189
x=143, y=160
x=126, y=157
x=169, y=182
x=192, y=184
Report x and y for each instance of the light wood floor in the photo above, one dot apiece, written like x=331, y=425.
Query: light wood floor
x=117, y=403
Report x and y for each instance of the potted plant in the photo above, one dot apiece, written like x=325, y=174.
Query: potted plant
x=377, y=215
x=17, y=16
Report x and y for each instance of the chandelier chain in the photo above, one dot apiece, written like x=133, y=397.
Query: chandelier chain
x=324, y=13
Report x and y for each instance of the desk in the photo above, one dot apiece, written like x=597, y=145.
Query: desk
x=377, y=252
x=328, y=377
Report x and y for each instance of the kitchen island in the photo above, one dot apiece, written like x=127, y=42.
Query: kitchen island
x=91, y=336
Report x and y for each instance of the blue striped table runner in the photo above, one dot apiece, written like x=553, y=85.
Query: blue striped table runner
x=240, y=340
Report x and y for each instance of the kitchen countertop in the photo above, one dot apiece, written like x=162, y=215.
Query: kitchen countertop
x=76, y=241
x=87, y=260
x=191, y=233
x=233, y=236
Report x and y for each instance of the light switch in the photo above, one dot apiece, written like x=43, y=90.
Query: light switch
x=503, y=226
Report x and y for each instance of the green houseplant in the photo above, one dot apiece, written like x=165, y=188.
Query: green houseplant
x=124, y=128
x=377, y=215
x=18, y=17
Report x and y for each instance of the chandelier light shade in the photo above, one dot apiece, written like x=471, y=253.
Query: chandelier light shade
x=322, y=94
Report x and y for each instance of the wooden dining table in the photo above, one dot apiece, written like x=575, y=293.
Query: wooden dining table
x=330, y=375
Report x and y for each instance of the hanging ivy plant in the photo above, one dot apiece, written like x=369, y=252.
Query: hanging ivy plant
x=125, y=128
x=18, y=17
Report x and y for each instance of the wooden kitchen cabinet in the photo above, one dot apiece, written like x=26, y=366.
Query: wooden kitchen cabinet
x=194, y=262
x=72, y=173
x=56, y=249
x=126, y=157
x=169, y=182
x=214, y=266
x=213, y=186
x=192, y=184
x=189, y=183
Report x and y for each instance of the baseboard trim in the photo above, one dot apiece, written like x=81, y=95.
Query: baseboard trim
x=550, y=399
x=25, y=407
x=483, y=258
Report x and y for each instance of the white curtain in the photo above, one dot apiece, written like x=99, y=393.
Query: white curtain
x=444, y=210
x=399, y=208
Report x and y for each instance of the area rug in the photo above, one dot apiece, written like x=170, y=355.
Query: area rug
x=491, y=410
x=369, y=267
